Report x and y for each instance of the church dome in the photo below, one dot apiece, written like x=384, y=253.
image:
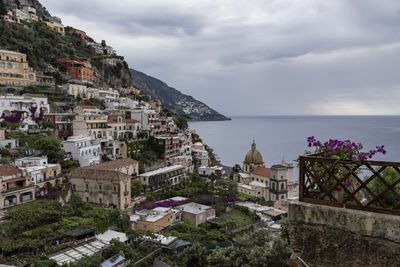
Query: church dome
x=253, y=156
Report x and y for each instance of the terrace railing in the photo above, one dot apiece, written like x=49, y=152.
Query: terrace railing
x=364, y=185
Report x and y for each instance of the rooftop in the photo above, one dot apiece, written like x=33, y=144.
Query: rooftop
x=114, y=164
x=194, y=208
x=262, y=171
x=9, y=170
x=109, y=235
x=162, y=170
x=94, y=174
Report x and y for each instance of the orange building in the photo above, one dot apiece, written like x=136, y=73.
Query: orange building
x=78, y=70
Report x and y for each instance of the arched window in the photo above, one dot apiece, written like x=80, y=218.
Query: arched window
x=282, y=186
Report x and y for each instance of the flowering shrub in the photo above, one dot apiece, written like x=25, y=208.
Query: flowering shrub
x=345, y=149
x=336, y=180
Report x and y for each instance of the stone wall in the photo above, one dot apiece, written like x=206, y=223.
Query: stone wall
x=329, y=236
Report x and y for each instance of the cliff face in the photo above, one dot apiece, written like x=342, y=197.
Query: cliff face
x=173, y=99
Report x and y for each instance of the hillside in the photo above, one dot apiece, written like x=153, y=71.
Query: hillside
x=44, y=49
x=173, y=99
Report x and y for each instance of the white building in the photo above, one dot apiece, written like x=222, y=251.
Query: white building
x=207, y=171
x=31, y=161
x=109, y=95
x=148, y=118
x=85, y=149
x=28, y=104
x=76, y=90
x=199, y=152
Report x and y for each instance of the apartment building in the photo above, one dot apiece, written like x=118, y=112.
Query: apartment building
x=148, y=118
x=76, y=89
x=103, y=187
x=85, y=149
x=167, y=145
x=55, y=24
x=14, y=187
x=62, y=124
x=78, y=70
x=27, y=105
x=121, y=127
x=92, y=124
x=14, y=69
x=162, y=178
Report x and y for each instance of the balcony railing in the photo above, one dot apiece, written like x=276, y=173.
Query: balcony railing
x=364, y=185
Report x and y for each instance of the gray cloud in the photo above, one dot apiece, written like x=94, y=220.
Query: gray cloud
x=267, y=57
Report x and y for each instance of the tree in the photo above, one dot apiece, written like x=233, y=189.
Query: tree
x=51, y=147
x=3, y=8
x=181, y=122
x=136, y=187
x=377, y=186
x=194, y=256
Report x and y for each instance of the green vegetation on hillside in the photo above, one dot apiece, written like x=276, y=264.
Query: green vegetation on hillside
x=41, y=45
x=34, y=227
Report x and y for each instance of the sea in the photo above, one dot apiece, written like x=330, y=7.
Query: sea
x=284, y=138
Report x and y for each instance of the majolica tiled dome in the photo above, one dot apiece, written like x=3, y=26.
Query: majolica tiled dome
x=253, y=156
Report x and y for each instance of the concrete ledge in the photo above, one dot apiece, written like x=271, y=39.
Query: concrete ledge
x=331, y=236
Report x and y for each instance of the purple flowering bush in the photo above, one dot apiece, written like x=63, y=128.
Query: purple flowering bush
x=343, y=149
x=335, y=176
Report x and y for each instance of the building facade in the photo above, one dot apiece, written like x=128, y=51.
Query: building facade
x=85, y=149
x=62, y=124
x=78, y=70
x=162, y=178
x=195, y=214
x=102, y=187
x=14, y=187
x=27, y=105
x=14, y=69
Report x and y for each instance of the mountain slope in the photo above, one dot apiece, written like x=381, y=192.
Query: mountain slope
x=173, y=99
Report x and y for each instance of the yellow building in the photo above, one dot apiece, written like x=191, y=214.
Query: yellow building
x=14, y=69
x=56, y=27
x=154, y=220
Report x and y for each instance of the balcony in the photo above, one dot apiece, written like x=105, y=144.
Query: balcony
x=363, y=185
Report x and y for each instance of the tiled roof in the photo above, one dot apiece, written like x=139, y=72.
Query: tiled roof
x=112, y=165
x=94, y=174
x=9, y=170
x=262, y=171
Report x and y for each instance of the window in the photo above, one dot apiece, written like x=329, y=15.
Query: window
x=87, y=186
x=100, y=201
x=282, y=186
x=100, y=187
x=74, y=187
x=115, y=188
x=87, y=199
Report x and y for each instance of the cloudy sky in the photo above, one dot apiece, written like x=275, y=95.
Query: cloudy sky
x=257, y=57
